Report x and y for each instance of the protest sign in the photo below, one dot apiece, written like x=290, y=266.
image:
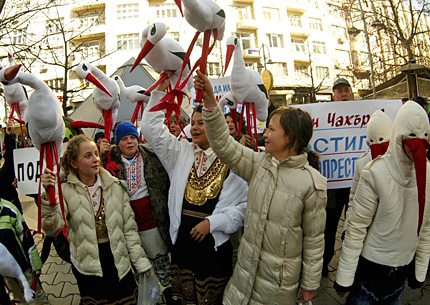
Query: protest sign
x=340, y=135
x=26, y=163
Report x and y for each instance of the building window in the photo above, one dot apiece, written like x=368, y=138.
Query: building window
x=17, y=37
x=55, y=84
x=279, y=69
x=89, y=20
x=298, y=45
x=166, y=11
x=342, y=57
x=315, y=24
x=335, y=10
x=314, y=4
x=243, y=12
x=128, y=42
x=54, y=26
x=271, y=14
x=301, y=71
x=213, y=69
x=245, y=39
x=92, y=49
x=319, y=47
x=127, y=11
x=295, y=20
x=338, y=32
x=354, y=58
x=174, y=35
x=365, y=58
x=276, y=40
x=321, y=72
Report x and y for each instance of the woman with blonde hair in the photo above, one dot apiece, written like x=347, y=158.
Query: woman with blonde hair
x=283, y=242
x=104, y=243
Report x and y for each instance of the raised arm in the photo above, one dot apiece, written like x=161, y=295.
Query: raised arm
x=163, y=143
x=51, y=215
x=240, y=159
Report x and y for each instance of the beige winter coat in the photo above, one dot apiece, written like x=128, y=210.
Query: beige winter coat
x=283, y=242
x=122, y=229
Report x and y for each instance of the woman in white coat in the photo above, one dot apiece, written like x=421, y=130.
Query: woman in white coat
x=204, y=197
x=104, y=242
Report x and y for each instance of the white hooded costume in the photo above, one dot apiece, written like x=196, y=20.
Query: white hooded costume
x=388, y=225
x=378, y=137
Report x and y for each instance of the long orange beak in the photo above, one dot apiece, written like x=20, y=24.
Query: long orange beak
x=179, y=4
x=147, y=47
x=419, y=148
x=97, y=83
x=228, y=56
x=11, y=72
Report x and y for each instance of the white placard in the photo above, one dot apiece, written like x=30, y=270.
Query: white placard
x=26, y=163
x=340, y=135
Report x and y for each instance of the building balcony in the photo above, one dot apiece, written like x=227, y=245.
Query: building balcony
x=300, y=32
x=300, y=56
x=89, y=5
x=92, y=33
x=342, y=65
x=297, y=6
x=247, y=24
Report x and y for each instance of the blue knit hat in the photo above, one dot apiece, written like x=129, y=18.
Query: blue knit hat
x=124, y=129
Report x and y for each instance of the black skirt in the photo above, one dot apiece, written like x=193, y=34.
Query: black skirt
x=200, y=272
x=107, y=289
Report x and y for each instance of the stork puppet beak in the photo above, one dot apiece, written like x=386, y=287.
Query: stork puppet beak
x=419, y=148
x=228, y=55
x=90, y=77
x=147, y=47
x=11, y=72
x=179, y=4
x=378, y=149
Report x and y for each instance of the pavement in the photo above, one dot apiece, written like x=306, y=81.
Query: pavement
x=60, y=285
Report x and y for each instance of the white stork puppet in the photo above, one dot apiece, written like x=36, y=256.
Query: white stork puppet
x=230, y=101
x=10, y=268
x=166, y=54
x=16, y=96
x=105, y=98
x=45, y=124
x=135, y=94
x=246, y=86
x=205, y=16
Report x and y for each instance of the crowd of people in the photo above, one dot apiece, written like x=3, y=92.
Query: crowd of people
x=219, y=221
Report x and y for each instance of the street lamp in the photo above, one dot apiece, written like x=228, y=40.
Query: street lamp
x=264, y=57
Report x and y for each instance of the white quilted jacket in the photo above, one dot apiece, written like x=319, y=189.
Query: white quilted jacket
x=383, y=220
x=122, y=228
x=283, y=242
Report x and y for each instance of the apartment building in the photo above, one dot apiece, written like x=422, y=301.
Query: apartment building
x=306, y=44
